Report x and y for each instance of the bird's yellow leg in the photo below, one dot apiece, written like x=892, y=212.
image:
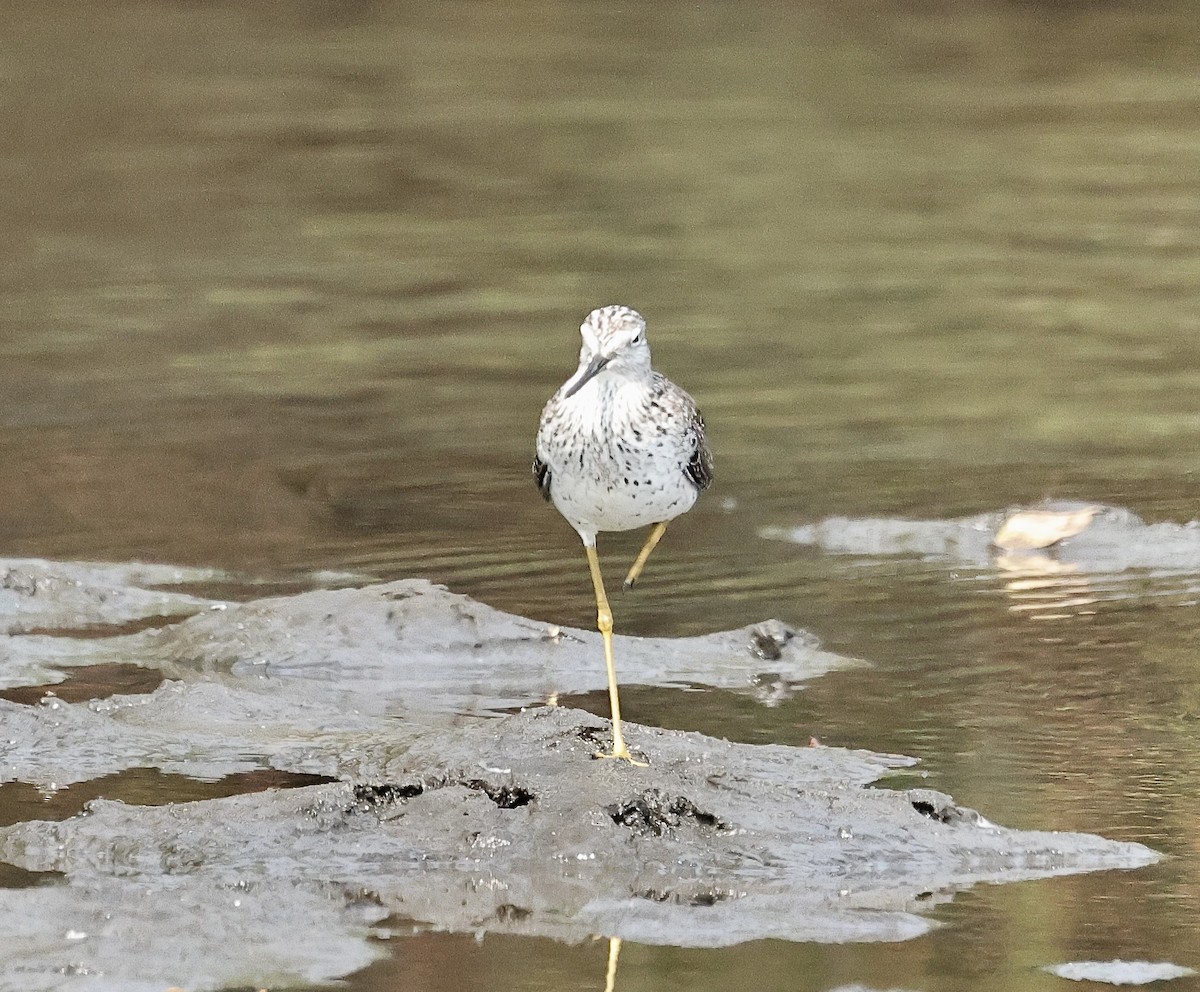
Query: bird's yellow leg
x=604, y=620
x=614, y=952
x=656, y=534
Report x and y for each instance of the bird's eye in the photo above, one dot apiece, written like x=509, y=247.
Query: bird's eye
x=637, y=339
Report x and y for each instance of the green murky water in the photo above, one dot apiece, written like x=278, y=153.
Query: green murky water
x=284, y=287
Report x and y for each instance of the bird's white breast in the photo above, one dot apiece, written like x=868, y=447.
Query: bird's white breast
x=617, y=452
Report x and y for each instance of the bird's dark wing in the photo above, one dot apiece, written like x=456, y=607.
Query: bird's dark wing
x=699, y=468
x=541, y=474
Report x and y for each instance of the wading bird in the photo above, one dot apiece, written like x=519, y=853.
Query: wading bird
x=620, y=446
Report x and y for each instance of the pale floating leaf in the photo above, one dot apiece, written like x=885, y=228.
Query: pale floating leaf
x=1030, y=530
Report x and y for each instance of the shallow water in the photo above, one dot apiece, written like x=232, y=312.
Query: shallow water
x=285, y=288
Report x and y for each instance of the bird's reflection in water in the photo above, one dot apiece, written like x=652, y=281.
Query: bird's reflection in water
x=614, y=952
x=1045, y=589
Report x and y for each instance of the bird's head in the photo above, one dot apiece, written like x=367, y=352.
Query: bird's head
x=614, y=339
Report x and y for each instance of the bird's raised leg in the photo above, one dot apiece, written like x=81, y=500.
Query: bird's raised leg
x=656, y=533
x=604, y=621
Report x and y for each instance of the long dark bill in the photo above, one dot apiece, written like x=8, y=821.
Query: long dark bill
x=594, y=367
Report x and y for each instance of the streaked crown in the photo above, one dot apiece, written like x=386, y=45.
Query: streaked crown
x=606, y=330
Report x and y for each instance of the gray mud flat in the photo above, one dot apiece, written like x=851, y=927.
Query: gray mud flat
x=407, y=647
x=1117, y=540
x=1115, y=559
x=460, y=822
x=512, y=826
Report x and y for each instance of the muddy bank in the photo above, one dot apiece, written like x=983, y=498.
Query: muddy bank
x=1115, y=540
x=407, y=647
x=511, y=826
x=438, y=816
x=48, y=596
x=1051, y=561
x=45, y=606
x=300, y=682
x=411, y=646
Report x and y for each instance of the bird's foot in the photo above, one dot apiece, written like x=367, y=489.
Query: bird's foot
x=624, y=754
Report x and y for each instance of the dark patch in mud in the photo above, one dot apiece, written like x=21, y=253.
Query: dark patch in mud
x=504, y=796
x=707, y=897
x=368, y=797
x=654, y=813
x=90, y=682
x=596, y=736
x=397, y=595
x=508, y=913
x=768, y=644
x=937, y=807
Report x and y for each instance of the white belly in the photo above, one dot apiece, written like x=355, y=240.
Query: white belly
x=600, y=501
x=610, y=467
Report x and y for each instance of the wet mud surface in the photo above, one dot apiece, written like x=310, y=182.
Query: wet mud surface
x=1115, y=540
x=446, y=810
x=1062, y=558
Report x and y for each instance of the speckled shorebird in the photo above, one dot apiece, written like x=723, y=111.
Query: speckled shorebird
x=620, y=446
